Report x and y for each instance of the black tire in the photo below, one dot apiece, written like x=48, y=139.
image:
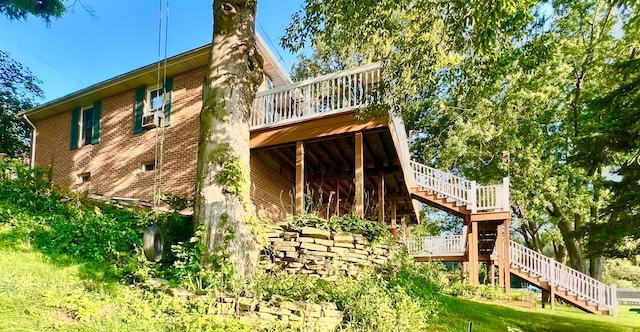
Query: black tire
x=153, y=243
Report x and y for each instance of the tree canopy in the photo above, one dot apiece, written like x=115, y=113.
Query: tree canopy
x=21, y=9
x=542, y=91
x=18, y=88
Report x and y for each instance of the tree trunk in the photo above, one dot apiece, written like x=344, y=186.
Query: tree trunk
x=222, y=187
x=566, y=227
x=596, y=264
x=560, y=252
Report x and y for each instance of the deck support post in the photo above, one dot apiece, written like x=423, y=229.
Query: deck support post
x=394, y=223
x=359, y=158
x=552, y=297
x=500, y=246
x=407, y=230
x=491, y=272
x=507, y=261
x=466, y=265
x=381, y=211
x=300, y=178
x=464, y=270
x=473, y=256
x=336, y=188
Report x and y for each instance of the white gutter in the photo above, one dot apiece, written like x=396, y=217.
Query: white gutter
x=33, y=140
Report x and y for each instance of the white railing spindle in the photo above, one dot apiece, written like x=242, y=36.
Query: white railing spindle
x=564, y=277
x=334, y=93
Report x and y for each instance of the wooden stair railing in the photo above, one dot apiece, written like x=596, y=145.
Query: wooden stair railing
x=460, y=190
x=556, y=274
x=546, y=273
x=446, y=245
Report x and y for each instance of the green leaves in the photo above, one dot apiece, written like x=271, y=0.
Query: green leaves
x=18, y=89
x=20, y=10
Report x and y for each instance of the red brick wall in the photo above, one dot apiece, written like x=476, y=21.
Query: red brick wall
x=269, y=191
x=116, y=162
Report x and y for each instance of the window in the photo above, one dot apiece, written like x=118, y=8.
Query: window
x=84, y=178
x=154, y=101
x=148, y=166
x=86, y=126
x=152, y=106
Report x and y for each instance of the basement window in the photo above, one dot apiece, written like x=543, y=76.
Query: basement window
x=148, y=166
x=84, y=177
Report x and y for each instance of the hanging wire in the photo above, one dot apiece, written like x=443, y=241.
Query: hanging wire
x=159, y=134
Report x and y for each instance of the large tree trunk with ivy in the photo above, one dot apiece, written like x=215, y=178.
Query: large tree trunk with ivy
x=222, y=188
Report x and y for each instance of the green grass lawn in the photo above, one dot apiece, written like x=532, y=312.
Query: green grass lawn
x=41, y=293
x=495, y=317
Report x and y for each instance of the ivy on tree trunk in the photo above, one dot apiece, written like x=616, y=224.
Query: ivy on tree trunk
x=222, y=188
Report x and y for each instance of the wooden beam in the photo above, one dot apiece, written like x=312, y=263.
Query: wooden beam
x=299, y=178
x=350, y=174
x=370, y=152
x=385, y=150
x=359, y=167
x=319, y=146
x=343, y=157
x=318, y=127
x=491, y=216
x=381, y=199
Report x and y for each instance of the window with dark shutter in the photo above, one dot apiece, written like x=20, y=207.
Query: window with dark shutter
x=87, y=126
x=149, y=103
x=75, y=129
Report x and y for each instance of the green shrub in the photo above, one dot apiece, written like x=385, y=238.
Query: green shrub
x=397, y=298
x=372, y=230
x=459, y=289
x=26, y=187
x=525, y=296
x=491, y=292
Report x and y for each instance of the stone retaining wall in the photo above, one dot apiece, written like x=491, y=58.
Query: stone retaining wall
x=303, y=316
x=317, y=252
x=307, y=316
x=308, y=251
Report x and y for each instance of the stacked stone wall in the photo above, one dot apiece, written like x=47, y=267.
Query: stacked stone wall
x=321, y=253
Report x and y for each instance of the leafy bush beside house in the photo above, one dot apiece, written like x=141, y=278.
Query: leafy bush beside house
x=106, y=240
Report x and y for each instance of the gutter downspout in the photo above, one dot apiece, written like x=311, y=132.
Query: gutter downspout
x=33, y=140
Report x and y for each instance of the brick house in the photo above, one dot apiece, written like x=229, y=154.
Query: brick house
x=304, y=138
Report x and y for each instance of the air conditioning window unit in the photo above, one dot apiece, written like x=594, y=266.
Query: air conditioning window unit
x=151, y=120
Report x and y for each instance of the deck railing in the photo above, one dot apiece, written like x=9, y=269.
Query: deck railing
x=477, y=198
x=436, y=245
x=334, y=93
x=564, y=277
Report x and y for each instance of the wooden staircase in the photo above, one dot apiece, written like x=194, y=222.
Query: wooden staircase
x=485, y=209
x=562, y=281
x=440, y=202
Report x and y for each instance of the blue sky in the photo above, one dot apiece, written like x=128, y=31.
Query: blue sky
x=79, y=50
